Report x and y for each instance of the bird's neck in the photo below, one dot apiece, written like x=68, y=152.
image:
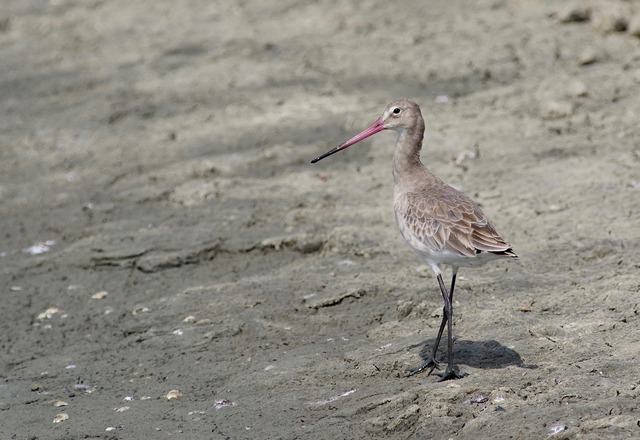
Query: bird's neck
x=406, y=156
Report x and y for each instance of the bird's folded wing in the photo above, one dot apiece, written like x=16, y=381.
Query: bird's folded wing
x=452, y=221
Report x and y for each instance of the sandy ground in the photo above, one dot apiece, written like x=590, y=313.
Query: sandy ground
x=164, y=235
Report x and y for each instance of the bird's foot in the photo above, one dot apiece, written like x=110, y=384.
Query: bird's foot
x=451, y=373
x=432, y=364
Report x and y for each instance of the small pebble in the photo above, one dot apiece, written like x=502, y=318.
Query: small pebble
x=39, y=248
x=574, y=12
x=140, y=309
x=84, y=387
x=555, y=109
x=309, y=246
x=48, y=314
x=553, y=430
x=478, y=399
x=58, y=403
x=589, y=55
x=404, y=308
x=576, y=89
x=489, y=194
x=174, y=394
x=463, y=155
x=100, y=295
x=612, y=18
x=224, y=403
x=60, y=418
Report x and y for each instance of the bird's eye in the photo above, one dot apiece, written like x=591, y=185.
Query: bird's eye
x=396, y=111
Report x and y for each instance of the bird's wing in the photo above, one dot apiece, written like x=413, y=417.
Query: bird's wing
x=450, y=221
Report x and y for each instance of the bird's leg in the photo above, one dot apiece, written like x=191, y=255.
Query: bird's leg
x=431, y=362
x=453, y=283
x=451, y=372
x=445, y=318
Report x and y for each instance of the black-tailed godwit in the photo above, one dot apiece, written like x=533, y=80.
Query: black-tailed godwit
x=441, y=224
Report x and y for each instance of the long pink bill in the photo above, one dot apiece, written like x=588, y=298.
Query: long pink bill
x=373, y=129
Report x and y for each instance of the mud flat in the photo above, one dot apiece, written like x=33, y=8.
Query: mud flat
x=173, y=267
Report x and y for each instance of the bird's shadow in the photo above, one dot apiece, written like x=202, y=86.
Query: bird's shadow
x=476, y=354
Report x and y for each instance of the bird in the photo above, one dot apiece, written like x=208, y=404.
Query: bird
x=441, y=224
